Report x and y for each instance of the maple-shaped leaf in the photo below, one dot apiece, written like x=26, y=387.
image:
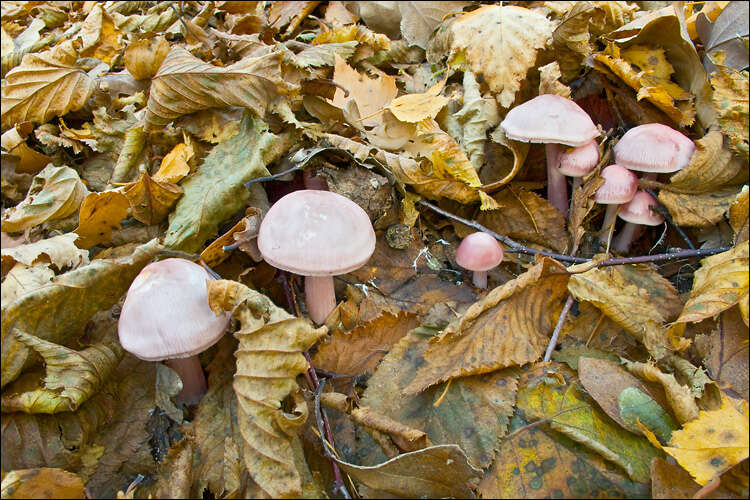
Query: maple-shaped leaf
x=46, y=85
x=499, y=43
x=269, y=358
x=185, y=84
x=509, y=326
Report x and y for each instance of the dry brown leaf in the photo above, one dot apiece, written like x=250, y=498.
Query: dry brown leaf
x=680, y=397
x=699, y=210
x=55, y=193
x=571, y=39
x=101, y=214
x=269, y=357
x=499, y=43
x=60, y=251
x=730, y=98
x=419, y=19
x=100, y=38
x=738, y=216
x=509, y=326
x=29, y=161
x=669, y=480
x=371, y=95
x=549, y=80
x=42, y=483
x=22, y=279
x=720, y=283
x=150, y=200
x=44, y=86
x=724, y=351
x=143, y=57
x=244, y=234
x=186, y=84
x=710, y=167
x=476, y=116
x=634, y=296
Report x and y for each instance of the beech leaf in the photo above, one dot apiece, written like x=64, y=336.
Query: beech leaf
x=59, y=251
x=44, y=482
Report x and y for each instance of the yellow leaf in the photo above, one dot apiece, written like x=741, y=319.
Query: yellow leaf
x=414, y=108
x=175, y=166
x=143, y=57
x=730, y=99
x=42, y=483
x=710, y=167
x=353, y=33
x=499, y=43
x=679, y=396
x=372, y=95
x=720, y=283
x=509, y=326
x=738, y=216
x=46, y=85
x=269, y=358
x=699, y=210
x=59, y=251
x=649, y=60
x=713, y=442
x=101, y=39
x=55, y=193
x=100, y=215
x=150, y=200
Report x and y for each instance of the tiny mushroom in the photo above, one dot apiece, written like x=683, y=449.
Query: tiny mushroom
x=552, y=120
x=479, y=252
x=653, y=148
x=637, y=213
x=620, y=185
x=578, y=162
x=317, y=234
x=166, y=316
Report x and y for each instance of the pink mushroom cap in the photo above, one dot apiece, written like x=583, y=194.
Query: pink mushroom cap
x=166, y=313
x=316, y=233
x=620, y=185
x=479, y=252
x=637, y=210
x=580, y=161
x=550, y=118
x=654, y=148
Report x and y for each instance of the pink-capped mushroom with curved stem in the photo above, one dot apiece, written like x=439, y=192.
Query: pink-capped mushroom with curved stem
x=637, y=213
x=479, y=252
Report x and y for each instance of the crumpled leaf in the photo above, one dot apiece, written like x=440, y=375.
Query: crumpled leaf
x=322, y=55
x=535, y=462
x=438, y=471
x=569, y=412
x=55, y=193
x=710, y=167
x=216, y=190
x=730, y=98
x=473, y=413
x=175, y=475
x=699, y=210
x=635, y=297
x=720, y=283
x=571, y=39
x=606, y=381
x=101, y=214
x=244, y=234
x=477, y=115
x=151, y=200
x=549, y=83
x=71, y=376
x=144, y=56
x=21, y=279
x=185, y=84
x=156, y=20
x=713, y=442
x=100, y=38
x=269, y=357
x=738, y=216
x=44, y=86
x=724, y=351
x=371, y=95
x=59, y=251
x=499, y=43
x=60, y=310
x=509, y=326
x=42, y=483
x=679, y=396
x=419, y=19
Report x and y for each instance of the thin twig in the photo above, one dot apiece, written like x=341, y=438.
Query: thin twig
x=321, y=421
x=274, y=176
x=661, y=209
x=516, y=247
x=558, y=327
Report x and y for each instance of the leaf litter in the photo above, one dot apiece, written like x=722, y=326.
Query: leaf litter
x=134, y=131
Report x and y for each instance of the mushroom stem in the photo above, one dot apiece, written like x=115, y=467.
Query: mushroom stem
x=193, y=380
x=320, y=297
x=480, y=279
x=609, y=217
x=557, y=187
x=625, y=238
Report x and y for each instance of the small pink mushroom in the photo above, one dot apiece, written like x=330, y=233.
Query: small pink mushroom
x=166, y=317
x=637, y=213
x=620, y=185
x=578, y=162
x=479, y=252
x=317, y=234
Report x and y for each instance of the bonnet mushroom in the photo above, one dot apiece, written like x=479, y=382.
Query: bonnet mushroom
x=552, y=120
x=166, y=316
x=620, y=185
x=653, y=148
x=479, y=252
x=636, y=212
x=316, y=234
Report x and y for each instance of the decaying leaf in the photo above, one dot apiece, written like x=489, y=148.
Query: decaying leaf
x=175, y=165
x=679, y=396
x=42, y=483
x=699, y=210
x=725, y=349
x=738, y=216
x=100, y=215
x=59, y=251
x=371, y=95
x=151, y=200
x=419, y=19
x=143, y=57
x=720, y=283
x=99, y=36
x=508, y=327
x=710, y=167
x=270, y=348
x=730, y=97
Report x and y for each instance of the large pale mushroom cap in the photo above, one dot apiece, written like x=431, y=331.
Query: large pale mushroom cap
x=654, y=148
x=166, y=313
x=550, y=118
x=316, y=233
x=637, y=210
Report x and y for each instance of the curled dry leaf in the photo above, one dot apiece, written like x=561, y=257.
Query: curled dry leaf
x=60, y=251
x=22, y=279
x=438, y=471
x=419, y=19
x=143, y=57
x=710, y=167
x=476, y=116
x=510, y=326
x=372, y=95
x=730, y=98
x=42, y=483
x=55, y=193
x=71, y=376
x=738, y=216
x=699, y=210
x=100, y=215
x=499, y=43
x=151, y=200
x=60, y=310
x=269, y=357
x=46, y=85
x=679, y=396
x=99, y=36
x=720, y=283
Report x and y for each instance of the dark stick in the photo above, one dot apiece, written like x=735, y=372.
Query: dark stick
x=665, y=213
x=516, y=247
x=274, y=176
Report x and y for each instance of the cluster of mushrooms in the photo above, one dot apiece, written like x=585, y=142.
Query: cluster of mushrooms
x=319, y=234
